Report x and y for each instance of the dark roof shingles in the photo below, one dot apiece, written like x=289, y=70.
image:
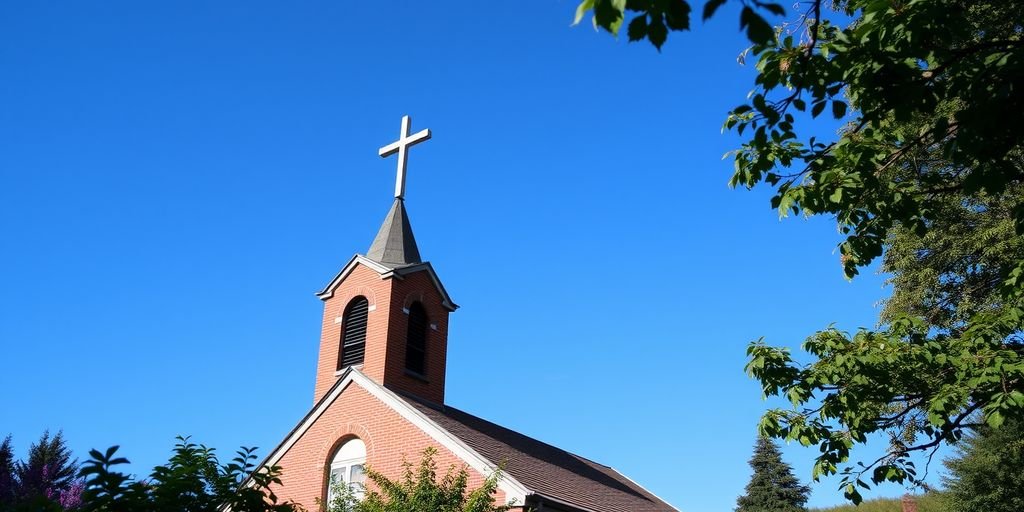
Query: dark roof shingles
x=545, y=469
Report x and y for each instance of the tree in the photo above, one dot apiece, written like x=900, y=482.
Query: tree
x=419, y=490
x=7, y=467
x=46, y=480
x=927, y=89
x=772, y=487
x=987, y=472
x=49, y=469
x=193, y=480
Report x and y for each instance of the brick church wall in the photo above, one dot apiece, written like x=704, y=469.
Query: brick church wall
x=386, y=327
x=417, y=287
x=389, y=439
x=361, y=281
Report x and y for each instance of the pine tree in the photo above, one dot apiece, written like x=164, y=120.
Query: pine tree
x=988, y=471
x=772, y=488
x=49, y=469
x=7, y=481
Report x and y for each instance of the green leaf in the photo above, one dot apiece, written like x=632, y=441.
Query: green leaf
x=817, y=108
x=758, y=30
x=657, y=33
x=838, y=109
x=581, y=10
x=637, y=29
x=995, y=419
x=710, y=7
x=608, y=14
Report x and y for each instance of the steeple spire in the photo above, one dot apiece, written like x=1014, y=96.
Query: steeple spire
x=394, y=244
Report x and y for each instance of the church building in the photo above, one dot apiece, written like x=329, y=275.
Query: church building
x=379, y=397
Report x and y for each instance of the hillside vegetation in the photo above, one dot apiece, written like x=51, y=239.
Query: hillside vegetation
x=931, y=502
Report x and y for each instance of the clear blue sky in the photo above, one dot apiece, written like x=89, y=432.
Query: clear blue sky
x=178, y=178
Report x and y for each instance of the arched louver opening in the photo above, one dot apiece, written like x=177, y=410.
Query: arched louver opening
x=416, y=339
x=353, y=333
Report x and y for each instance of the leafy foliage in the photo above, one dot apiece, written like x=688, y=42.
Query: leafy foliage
x=988, y=471
x=927, y=502
x=928, y=165
x=654, y=19
x=419, y=489
x=341, y=498
x=772, y=487
x=193, y=480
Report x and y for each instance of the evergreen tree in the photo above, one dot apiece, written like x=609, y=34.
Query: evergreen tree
x=772, y=487
x=988, y=471
x=49, y=469
x=6, y=475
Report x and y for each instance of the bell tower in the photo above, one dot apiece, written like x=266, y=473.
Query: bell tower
x=386, y=312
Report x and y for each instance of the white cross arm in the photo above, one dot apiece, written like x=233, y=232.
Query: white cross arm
x=411, y=140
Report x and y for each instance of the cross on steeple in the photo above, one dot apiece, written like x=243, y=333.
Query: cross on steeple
x=401, y=146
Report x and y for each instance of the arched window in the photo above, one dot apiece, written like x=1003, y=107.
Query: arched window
x=347, y=470
x=416, y=340
x=353, y=333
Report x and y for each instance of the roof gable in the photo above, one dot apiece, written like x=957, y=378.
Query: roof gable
x=531, y=468
x=510, y=486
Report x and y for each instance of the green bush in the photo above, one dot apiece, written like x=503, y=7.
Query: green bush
x=929, y=502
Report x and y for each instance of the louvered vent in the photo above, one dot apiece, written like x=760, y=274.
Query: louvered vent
x=353, y=334
x=416, y=339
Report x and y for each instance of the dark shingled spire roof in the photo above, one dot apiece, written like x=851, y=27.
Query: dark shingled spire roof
x=394, y=245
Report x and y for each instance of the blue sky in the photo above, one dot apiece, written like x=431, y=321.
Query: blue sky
x=178, y=178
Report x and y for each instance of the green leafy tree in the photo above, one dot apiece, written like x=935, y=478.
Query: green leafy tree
x=988, y=471
x=341, y=498
x=772, y=487
x=419, y=490
x=929, y=92
x=193, y=480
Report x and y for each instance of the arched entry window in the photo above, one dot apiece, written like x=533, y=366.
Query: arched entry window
x=347, y=469
x=353, y=332
x=416, y=340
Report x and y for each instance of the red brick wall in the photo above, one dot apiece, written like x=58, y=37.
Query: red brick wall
x=361, y=281
x=417, y=287
x=386, y=332
x=389, y=439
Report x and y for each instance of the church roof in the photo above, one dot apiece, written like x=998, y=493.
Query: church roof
x=534, y=471
x=548, y=471
x=394, y=244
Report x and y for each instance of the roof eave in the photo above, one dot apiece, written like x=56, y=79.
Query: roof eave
x=387, y=272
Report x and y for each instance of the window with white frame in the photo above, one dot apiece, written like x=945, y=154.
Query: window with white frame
x=348, y=469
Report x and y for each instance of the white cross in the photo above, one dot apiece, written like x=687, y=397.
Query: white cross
x=401, y=146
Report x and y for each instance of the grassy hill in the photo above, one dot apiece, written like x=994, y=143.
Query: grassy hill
x=930, y=502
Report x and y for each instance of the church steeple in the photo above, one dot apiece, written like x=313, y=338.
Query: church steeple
x=394, y=244
x=386, y=313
